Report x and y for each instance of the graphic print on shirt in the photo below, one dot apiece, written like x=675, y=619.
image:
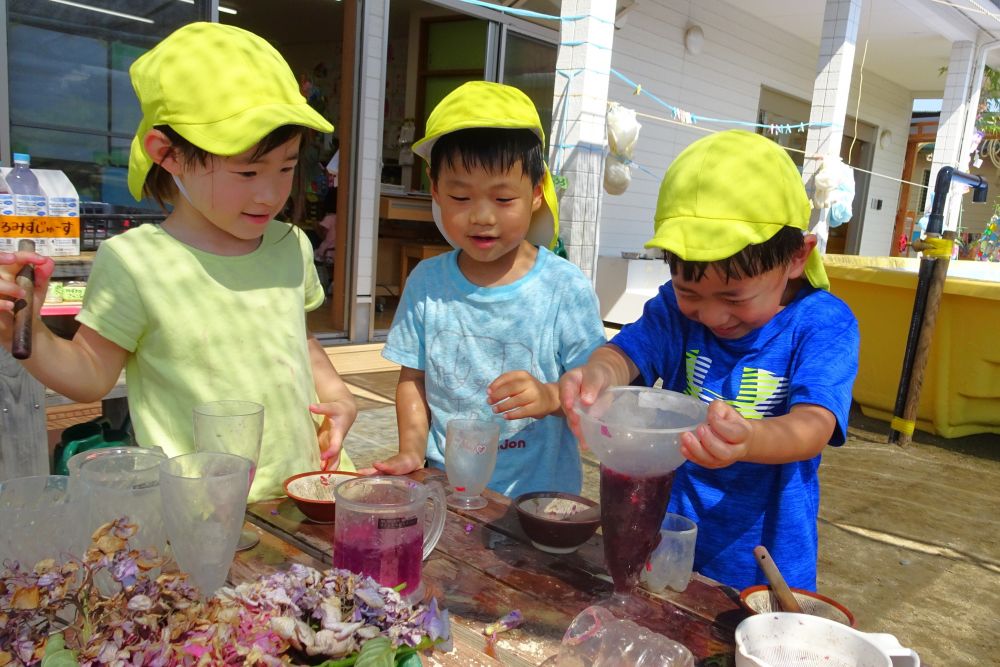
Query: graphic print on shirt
x=471, y=363
x=760, y=393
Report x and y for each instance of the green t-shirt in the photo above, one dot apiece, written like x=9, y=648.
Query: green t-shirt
x=201, y=327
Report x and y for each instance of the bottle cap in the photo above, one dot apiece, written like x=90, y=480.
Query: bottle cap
x=22, y=157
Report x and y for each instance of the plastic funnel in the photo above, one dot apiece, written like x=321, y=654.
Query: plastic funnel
x=636, y=430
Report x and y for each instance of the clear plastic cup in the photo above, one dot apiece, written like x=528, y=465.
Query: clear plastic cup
x=37, y=520
x=204, y=505
x=670, y=564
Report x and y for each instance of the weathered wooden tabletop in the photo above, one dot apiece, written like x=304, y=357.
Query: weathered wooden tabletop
x=484, y=566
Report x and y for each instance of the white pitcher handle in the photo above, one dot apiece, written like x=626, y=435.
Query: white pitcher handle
x=432, y=533
x=900, y=655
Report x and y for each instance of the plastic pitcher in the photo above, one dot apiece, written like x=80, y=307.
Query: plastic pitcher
x=382, y=529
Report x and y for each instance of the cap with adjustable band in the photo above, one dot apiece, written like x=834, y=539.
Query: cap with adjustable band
x=220, y=87
x=484, y=104
x=727, y=191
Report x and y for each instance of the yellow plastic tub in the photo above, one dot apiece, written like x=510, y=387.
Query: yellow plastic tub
x=961, y=389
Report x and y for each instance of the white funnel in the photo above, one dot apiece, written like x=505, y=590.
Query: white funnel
x=636, y=430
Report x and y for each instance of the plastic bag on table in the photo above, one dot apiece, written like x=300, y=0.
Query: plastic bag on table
x=596, y=638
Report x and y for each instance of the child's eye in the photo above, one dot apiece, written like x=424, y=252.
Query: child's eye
x=505, y=200
x=457, y=198
x=246, y=174
x=287, y=170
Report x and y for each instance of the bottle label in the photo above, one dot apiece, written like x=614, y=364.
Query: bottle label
x=64, y=206
x=33, y=205
x=6, y=204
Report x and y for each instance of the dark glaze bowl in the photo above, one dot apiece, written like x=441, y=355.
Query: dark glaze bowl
x=547, y=518
x=313, y=492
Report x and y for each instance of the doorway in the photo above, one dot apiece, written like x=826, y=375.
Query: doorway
x=311, y=35
x=433, y=48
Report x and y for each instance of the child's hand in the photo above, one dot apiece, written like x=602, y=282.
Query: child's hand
x=10, y=264
x=722, y=440
x=519, y=395
x=337, y=419
x=400, y=464
x=583, y=384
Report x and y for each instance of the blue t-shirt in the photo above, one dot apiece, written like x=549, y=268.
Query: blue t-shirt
x=464, y=337
x=806, y=353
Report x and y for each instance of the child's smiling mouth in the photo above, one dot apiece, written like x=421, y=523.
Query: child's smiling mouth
x=484, y=241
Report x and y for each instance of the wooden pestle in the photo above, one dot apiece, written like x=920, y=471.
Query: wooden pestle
x=24, y=309
x=781, y=591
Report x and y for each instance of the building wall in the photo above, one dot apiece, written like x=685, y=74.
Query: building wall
x=740, y=54
x=371, y=90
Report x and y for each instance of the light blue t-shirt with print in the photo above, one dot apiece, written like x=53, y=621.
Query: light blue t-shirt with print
x=464, y=336
x=806, y=353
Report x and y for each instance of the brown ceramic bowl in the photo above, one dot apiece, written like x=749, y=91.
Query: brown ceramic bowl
x=313, y=492
x=547, y=517
x=761, y=600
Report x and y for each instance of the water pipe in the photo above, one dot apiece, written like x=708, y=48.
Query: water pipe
x=930, y=284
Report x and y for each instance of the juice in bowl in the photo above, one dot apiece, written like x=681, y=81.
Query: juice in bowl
x=635, y=433
x=383, y=529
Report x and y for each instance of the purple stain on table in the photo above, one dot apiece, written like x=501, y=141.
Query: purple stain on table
x=605, y=432
x=468, y=528
x=274, y=512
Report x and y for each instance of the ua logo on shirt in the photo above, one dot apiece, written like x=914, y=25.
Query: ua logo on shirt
x=761, y=391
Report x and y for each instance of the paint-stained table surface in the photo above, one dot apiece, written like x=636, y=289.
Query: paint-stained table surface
x=484, y=566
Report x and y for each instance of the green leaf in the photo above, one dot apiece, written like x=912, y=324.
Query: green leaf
x=409, y=660
x=56, y=653
x=377, y=652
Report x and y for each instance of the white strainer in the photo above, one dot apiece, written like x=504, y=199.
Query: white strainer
x=800, y=640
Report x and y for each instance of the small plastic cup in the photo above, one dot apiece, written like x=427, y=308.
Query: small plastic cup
x=672, y=560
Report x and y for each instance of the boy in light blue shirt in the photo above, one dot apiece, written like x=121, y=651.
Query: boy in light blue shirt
x=486, y=331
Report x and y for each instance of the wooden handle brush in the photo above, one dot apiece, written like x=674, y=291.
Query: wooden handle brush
x=24, y=309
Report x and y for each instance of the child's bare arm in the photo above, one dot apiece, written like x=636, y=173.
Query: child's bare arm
x=83, y=369
x=726, y=437
x=607, y=367
x=414, y=419
x=336, y=404
x=518, y=395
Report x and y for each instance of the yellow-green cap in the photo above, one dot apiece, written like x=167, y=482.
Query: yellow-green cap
x=727, y=191
x=218, y=86
x=487, y=104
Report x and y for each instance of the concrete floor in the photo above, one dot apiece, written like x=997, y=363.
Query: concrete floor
x=908, y=537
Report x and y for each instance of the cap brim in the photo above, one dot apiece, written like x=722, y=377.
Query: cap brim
x=424, y=146
x=695, y=239
x=227, y=137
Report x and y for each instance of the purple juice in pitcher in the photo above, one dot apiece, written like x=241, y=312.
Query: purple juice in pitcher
x=632, y=509
x=362, y=548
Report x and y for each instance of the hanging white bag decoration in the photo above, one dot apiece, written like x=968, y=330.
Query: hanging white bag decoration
x=623, y=133
x=835, y=190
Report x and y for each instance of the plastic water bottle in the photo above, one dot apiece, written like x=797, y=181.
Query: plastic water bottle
x=29, y=198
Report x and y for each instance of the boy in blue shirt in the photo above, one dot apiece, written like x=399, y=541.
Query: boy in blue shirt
x=489, y=328
x=747, y=325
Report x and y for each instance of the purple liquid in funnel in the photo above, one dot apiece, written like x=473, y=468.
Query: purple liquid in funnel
x=632, y=509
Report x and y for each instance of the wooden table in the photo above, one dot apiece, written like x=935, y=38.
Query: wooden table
x=484, y=567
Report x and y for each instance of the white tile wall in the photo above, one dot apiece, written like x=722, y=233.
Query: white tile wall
x=740, y=54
